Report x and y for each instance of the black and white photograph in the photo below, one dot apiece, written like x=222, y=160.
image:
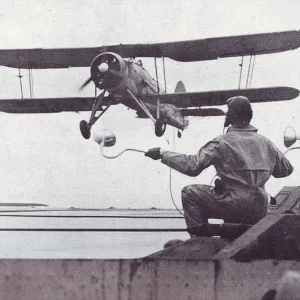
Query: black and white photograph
x=150, y=149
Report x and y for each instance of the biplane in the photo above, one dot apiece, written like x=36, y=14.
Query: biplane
x=120, y=78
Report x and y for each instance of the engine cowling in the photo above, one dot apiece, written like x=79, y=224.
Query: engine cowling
x=107, y=71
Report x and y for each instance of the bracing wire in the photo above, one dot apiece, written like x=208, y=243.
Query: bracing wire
x=171, y=193
x=164, y=69
x=170, y=173
x=157, y=84
x=170, y=180
x=185, y=214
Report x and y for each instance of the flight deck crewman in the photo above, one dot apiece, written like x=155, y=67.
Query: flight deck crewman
x=244, y=161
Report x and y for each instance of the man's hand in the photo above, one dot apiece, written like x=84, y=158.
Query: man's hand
x=154, y=153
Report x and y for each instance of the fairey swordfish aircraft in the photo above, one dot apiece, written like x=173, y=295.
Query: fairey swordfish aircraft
x=123, y=80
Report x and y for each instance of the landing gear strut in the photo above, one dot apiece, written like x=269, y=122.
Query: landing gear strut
x=85, y=127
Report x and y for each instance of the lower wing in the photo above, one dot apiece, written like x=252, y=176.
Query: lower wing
x=180, y=100
x=48, y=105
x=216, y=98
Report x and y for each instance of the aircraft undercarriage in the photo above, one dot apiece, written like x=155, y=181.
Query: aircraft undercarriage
x=161, y=120
x=160, y=125
x=85, y=127
x=160, y=114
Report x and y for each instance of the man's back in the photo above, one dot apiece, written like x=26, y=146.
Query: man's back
x=248, y=158
x=244, y=160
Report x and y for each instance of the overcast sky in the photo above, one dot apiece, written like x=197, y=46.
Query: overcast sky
x=45, y=159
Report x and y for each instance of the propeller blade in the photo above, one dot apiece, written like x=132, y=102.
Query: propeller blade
x=85, y=83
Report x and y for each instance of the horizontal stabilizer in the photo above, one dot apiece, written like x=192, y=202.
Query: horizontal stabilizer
x=202, y=112
x=189, y=50
x=215, y=98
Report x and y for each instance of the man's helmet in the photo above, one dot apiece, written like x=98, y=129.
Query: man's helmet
x=239, y=111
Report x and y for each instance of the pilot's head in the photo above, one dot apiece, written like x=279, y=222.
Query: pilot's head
x=239, y=111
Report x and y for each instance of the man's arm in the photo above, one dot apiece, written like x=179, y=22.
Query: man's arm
x=192, y=165
x=283, y=167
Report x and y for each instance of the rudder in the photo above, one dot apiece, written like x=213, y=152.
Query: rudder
x=180, y=88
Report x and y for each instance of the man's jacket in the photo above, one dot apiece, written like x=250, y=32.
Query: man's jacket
x=244, y=160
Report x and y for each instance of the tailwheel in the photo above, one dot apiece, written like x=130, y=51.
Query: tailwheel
x=179, y=134
x=160, y=127
x=85, y=129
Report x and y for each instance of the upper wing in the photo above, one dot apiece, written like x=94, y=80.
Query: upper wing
x=194, y=50
x=214, y=98
x=48, y=105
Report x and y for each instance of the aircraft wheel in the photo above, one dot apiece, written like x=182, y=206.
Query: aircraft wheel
x=85, y=129
x=179, y=134
x=160, y=127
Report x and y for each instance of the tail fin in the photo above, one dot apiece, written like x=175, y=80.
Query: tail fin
x=180, y=88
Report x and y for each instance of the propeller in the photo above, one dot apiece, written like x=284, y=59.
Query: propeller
x=85, y=83
x=105, y=71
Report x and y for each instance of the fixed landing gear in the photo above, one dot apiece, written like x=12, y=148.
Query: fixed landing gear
x=85, y=129
x=160, y=127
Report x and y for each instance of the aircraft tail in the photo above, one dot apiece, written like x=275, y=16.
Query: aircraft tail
x=180, y=88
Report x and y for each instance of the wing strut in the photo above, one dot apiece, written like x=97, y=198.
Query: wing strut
x=249, y=72
x=241, y=65
x=253, y=63
x=30, y=76
x=249, y=68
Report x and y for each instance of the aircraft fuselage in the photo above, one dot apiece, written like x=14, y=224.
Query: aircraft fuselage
x=119, y=75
